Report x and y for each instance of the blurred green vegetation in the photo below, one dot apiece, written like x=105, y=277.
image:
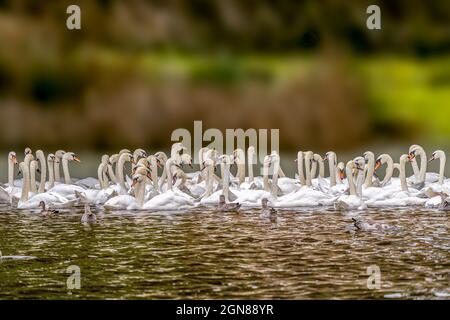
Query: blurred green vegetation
x=139, y=69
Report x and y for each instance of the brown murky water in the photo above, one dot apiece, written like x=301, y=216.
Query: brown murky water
x=306, y=254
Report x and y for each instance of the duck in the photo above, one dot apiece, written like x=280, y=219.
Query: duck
x=266, y=211
x=88, y=216
x=45, y=211
x=227, y=207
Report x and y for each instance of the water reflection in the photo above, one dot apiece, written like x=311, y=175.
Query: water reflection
x=204, y=254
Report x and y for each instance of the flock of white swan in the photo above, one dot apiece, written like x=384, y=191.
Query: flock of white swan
x=159, y=182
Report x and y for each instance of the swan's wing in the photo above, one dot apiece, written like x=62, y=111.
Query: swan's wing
x=4, y=196
x=231, y=196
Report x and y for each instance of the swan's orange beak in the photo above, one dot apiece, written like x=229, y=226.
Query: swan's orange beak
x=14, y=159
x=377, y=165
x=134, y=183
x=149, y=176
x=411, y=156
x=158, y=163
x=76, y=159
x=431, y=159
x=342, y=174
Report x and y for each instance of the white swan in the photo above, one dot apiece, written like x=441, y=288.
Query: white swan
x=52, y=199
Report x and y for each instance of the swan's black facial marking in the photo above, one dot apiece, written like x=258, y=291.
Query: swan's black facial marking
x=377, y=164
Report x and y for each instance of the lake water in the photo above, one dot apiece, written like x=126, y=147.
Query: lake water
x=305, y=254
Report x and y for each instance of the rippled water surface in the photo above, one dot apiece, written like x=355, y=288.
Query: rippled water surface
x=305, y=254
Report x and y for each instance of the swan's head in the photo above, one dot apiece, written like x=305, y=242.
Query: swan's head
x=413, y=150
x=309, y=155
x=403, y=158
x=359, y=163
x=317, y=158
x=341, y=170
x=382, y=159
x=124, y=151
x=327, y=156
x=161, y=158
x=105, y=159
x=299, y=156
x=127, y=157
x=71, y=156
x=186, y=159
x=438, y=154
x=28, y=151
x=139, y=153
x=368, y=155
x=59, y=154
x=178, y=146
x=113, y=158
x=251, y=150
x=137, y=178
x=143, y=162
x=51, y=157
x=225, y=159
x=12, y=157
x=178, y=175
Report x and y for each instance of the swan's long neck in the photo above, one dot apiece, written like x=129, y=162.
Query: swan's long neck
x=10, y=173
x=209, y=179
x=332, y=169
x=370, y=170
x=301, y=175
x=140, y=193
x=359, y=183
x=120, y=173
x=351, y=183
x=101, y=177
x=168, y=170
x=402, y=174
x=415, y=168
x=250, y=155
x=33, y=177
x=276, y=168
x=313, y=169
x=321, y=169
x=154, y=174
x=43, y=173
x=266, y=176
x=308, y=170
x=226, y=180
x=56, y=166
x=442, y=160
x=241, y=171
x=111, y=174
x=389, y=172
x=423, y=165
x=51, y=172
x=65, y=165
x=26, y=183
